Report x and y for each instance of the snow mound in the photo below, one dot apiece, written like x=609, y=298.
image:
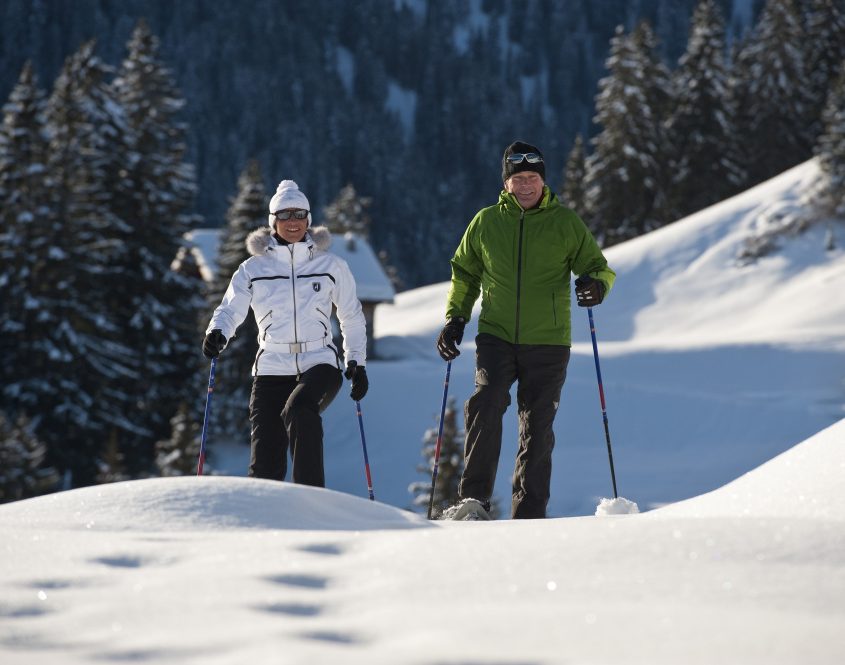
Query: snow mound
x=803, y=482
x=203, y=504
x=617, y=506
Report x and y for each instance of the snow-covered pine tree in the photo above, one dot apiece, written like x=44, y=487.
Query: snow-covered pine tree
x=771, y=94
x=247, y=212
x=23, y=473
x=831, y=150
x=700, y=129
x=825, y=46
x=159, y=307
x=625, y=181
x=25, y=207
x=449, y=469
x=573, y=193
x=85, y=372
x=348, y=212
x=178, y=455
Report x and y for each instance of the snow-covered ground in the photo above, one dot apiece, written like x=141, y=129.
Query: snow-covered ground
x=231, y=570
x=711, y=369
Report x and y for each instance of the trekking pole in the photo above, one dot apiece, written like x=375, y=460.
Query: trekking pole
x=439, y=438
x=366, y=459
x=601, y=398
x=201, y=461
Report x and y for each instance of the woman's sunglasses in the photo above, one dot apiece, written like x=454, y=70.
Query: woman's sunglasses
x=284, y=215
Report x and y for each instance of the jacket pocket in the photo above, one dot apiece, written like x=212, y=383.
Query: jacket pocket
x=554, y=309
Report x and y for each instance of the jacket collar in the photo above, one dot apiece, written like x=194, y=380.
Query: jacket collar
x=261, y=241
x=508, y=201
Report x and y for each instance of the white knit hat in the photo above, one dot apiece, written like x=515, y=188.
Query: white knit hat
x=288, y=195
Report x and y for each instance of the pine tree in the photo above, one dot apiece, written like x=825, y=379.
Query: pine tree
x=573, y=193
x=831, y=150
x=25, y=205
x=449, y=469
x=159, y=307
x=825, y=46
x=82, y=365
x=178, y=455
x=348, y=212
x=22, y=470
x=700, y=129
x=772, y=95
x=233, y=377
x=625, y=180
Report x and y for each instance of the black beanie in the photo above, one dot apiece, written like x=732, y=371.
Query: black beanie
x=508, y=169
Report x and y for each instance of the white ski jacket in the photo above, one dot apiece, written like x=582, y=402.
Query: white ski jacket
x=291, y=289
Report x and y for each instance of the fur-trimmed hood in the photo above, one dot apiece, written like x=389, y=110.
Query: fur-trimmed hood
x=260, y=240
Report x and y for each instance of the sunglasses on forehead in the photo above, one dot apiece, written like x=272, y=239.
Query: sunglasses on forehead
x=519, y=157
x=284, y=215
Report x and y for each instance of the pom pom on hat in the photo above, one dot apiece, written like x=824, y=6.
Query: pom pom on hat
x=508, y=169
x=288, y=195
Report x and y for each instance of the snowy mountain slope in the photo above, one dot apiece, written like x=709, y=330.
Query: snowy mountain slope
x=683, y=286
x=231, y=570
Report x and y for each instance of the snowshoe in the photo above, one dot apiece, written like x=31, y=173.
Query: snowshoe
x=466, y=510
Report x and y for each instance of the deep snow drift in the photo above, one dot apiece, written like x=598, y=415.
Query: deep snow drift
x=232, y=570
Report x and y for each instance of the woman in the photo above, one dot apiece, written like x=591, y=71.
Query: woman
x=291, y=282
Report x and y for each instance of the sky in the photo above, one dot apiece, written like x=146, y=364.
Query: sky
x=724, y=385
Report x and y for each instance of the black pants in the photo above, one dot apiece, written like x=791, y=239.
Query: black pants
x=540, y=370
x=285, y=411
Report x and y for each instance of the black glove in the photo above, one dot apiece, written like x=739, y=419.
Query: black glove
x=589, y=291
x=358, y=376
x=450, y=337
x=213, y=343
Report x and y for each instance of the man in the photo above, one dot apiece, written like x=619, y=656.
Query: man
x=518, y=255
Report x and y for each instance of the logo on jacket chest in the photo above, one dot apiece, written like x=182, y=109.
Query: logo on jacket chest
x=315, y=286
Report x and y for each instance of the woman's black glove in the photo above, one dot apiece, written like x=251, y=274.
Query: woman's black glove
x=358, y=375
x=450, y=337
x=589, y=291
x=213, y=343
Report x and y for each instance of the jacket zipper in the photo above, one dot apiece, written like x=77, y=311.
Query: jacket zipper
x=293, y=286
x=519, y=277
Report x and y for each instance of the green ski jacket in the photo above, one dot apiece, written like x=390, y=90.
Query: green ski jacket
x=520, y=262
